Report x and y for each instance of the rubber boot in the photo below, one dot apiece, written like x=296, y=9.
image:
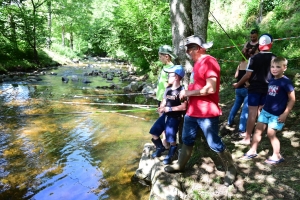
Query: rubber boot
x=168, y=159
x=184, y=156
x=159, y=147
x=229, y=167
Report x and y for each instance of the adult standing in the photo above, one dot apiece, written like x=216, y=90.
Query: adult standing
x=203, y=110
x=251, y=47
x=241, y=98
x=165, y=55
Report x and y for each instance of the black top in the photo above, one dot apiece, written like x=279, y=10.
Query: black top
x=240, y=76
x=259, y=65
x=251, y=49
x=172, y=99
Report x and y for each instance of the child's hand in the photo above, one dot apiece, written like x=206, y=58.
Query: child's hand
x=282, y=118
x=161, y=109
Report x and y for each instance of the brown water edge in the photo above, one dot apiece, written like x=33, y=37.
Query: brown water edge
x=52, y=150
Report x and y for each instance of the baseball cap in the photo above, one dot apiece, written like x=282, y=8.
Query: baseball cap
x=265, y=42
x=166, y=49
x=195, y=39
x=177, y=69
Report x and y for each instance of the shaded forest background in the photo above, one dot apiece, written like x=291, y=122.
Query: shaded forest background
x=132, y=30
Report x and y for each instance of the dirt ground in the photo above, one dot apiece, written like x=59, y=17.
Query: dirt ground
x=204, y=174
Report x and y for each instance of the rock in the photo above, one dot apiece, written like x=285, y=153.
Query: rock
x=148, y=90
x=86, y=81
x=64, y=79
x=134, y=86
x=74, y=78
x=164, y=185
x=109, y=77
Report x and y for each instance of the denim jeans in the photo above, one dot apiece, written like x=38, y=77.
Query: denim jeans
x=241, y=97
x=210, y=128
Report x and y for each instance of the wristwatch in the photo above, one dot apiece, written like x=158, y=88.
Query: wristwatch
x=170, y=109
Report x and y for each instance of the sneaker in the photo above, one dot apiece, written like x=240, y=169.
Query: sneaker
x=229, y=127
x=241, y=134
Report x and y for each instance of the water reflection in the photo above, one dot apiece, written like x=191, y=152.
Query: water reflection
x=55, y=150
x=79, y=179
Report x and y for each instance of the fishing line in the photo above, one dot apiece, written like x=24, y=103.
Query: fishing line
x=99, y=95
x=109, y=104
x=228, y=36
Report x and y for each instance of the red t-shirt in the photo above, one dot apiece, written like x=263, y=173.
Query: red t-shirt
x=204, y=106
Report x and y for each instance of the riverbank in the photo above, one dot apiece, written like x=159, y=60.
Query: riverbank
x=204, y=174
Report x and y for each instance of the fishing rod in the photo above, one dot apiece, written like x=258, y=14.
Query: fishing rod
x=99, y=95
x=228, y=36
x=85, y=113
x=109, y=104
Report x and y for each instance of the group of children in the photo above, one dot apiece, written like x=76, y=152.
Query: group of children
x=268, y=98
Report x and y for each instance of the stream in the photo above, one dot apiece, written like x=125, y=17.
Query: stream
x=70, y=140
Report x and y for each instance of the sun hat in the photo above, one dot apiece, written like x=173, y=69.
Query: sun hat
x=166, y=49
x=177, y=69
x=265, y=42
x=195, y=39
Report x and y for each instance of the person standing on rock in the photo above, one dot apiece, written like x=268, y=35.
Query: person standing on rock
x=166, y=55
x=171, y=109
x=203, y=110
x=251, y=47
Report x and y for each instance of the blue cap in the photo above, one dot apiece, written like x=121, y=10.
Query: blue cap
x=177, y=69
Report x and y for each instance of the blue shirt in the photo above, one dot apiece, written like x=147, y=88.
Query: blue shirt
x=277, y=96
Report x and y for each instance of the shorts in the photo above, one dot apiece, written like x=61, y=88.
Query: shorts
x=256, y=99
x=271, y=120
x=168, y=124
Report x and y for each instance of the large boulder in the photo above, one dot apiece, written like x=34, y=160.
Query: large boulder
x=163, y=184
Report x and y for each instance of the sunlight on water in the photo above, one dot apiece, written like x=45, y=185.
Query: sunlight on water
x=53, y=150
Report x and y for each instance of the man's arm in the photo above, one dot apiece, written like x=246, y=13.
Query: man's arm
x=209, y=88
x=245, y=47
x=243, y=80
x=289, y=106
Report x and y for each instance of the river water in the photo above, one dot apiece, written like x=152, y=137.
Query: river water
x=70, y=140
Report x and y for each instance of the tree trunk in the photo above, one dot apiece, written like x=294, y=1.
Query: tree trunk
x=182, y=27
x=49, y=24
x=71, y=40
x=13, y=33
x=188, y=17
x=200, y=11
x=35, y=53
x=63, y=36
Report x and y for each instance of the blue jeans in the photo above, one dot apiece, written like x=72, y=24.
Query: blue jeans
x=210, y=129
x=241, y=97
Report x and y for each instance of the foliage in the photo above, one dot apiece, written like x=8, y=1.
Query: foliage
x=134, y=29
x=64, y=51
x=141, y=32
x=251, y=12
x=269, y=5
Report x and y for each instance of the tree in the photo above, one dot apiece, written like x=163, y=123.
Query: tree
x=188, y=18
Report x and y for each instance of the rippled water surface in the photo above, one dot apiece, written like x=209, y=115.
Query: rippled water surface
x=70, y=140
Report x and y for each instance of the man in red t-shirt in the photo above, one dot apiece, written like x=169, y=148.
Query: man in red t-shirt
x=203, y=110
